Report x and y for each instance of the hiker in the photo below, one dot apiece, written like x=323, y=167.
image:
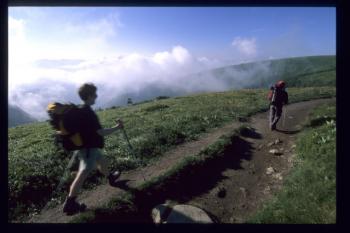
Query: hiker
x=278, y=97
x=90, y=155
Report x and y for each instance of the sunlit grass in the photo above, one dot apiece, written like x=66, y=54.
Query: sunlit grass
x=36, y=166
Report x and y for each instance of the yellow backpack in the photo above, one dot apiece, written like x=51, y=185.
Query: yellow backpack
x=64, y=118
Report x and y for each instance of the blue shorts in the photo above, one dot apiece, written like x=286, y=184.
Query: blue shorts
x=90, y=160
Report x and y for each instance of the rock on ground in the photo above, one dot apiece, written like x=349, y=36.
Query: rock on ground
x=165, y=213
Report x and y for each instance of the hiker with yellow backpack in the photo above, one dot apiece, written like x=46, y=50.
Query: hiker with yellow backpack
x=81, y=132
x=277, y=97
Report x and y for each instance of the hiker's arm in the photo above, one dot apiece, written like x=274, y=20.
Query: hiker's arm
x=108, y=131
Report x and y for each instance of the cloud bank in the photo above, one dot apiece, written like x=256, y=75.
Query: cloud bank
x=44, y=71
x=48, y=73
x=58, y=80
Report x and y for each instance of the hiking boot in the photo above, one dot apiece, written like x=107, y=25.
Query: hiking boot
x=113, y=176
x=71, y=206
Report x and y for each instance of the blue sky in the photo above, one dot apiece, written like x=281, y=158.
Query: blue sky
x=71, y=45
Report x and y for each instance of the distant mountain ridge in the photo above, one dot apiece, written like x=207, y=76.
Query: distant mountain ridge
x=297, y=72
x=17, y=116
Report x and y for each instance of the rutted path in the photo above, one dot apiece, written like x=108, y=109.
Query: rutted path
x=246, y=182
x=260, y=172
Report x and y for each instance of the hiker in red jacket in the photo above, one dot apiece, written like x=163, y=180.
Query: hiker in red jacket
x=278, y=97
x=90, y=155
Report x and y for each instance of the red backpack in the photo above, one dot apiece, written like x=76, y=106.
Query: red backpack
x=271, y=95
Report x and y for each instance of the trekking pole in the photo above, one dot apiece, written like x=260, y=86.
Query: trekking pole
x=129, y=145
x=131, y=150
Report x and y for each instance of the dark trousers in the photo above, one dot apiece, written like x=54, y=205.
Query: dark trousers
x=275, y=115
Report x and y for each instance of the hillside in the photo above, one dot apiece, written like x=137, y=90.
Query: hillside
x=17, y=116
x=297, y=72
x=153, y=128
x=239, y=170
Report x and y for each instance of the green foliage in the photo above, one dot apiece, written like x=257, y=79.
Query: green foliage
x=306, y=71
x=33, y=156
x=324, y=78
x=321, y=115
x=156, y=107
x=309, y=193
x=122, y=209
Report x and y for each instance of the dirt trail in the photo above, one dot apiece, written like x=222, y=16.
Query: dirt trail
x=244, y=178
x=252, y=181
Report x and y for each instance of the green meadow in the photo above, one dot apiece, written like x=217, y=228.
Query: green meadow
x=36, y=165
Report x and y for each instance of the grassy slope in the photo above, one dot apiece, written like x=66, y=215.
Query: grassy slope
x=309, y=193
x=35, y=164
x=153, y=128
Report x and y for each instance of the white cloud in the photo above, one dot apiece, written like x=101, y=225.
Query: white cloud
x=58, y=80
x=47, y=70
x=245, y=46
x=213, y=63
x=181, y=55
x=34, y=98
x=178, y=55
x=178, y=61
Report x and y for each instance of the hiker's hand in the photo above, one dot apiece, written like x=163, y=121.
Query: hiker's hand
x=120, y=124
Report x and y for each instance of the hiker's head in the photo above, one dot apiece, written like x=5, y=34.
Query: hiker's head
x=281, y=84
x=87, y=93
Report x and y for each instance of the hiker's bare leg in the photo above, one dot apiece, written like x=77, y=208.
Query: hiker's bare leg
x=78, y=182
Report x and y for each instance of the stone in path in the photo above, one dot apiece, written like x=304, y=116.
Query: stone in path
x=165, y=213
